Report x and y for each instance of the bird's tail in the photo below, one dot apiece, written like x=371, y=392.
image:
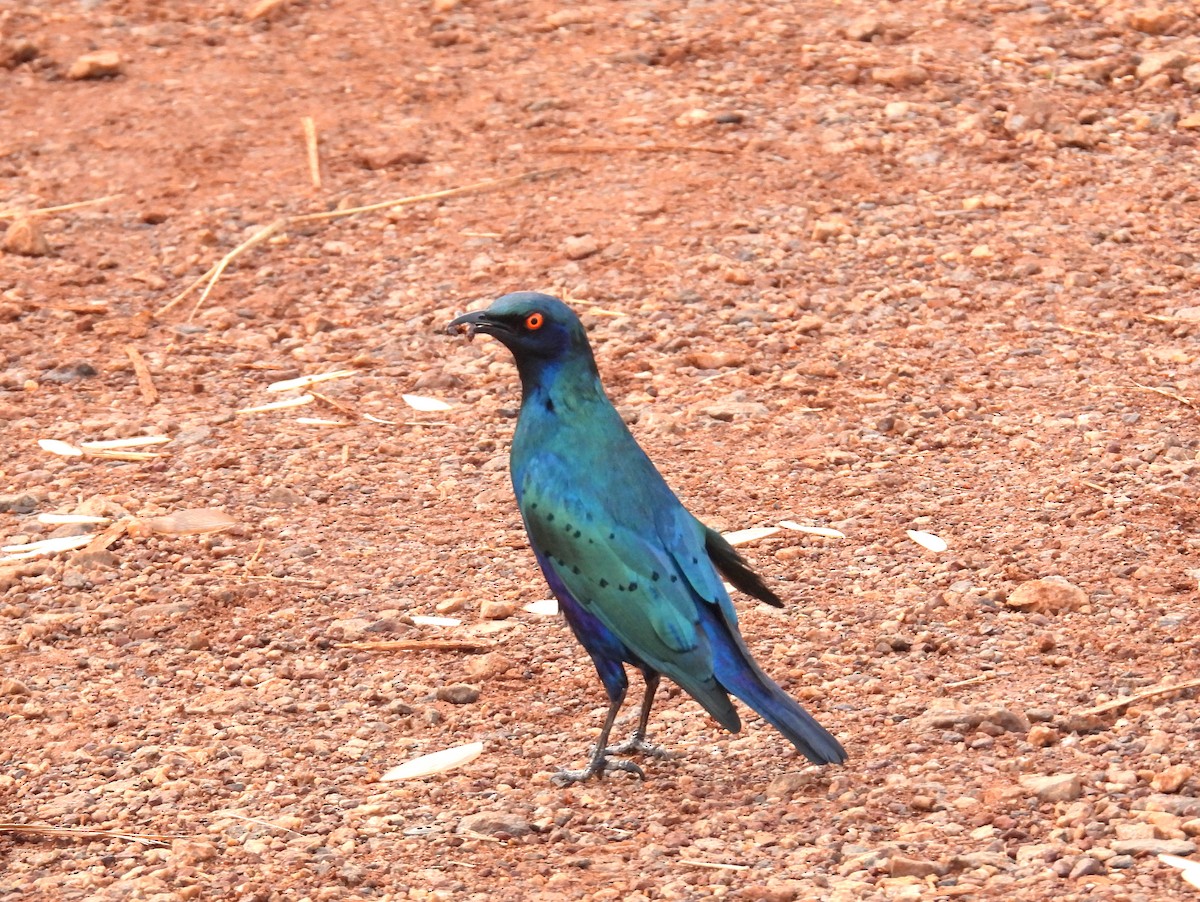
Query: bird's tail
x=736, y=671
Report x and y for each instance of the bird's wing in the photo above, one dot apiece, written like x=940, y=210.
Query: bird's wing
x=623, y=576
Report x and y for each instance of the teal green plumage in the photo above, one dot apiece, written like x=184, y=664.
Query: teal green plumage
x=635, y=573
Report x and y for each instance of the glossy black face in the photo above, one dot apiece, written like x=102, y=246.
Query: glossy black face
x=531, y=325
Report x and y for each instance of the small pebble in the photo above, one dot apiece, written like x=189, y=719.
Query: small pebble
x=458, y=694
x=100, y=64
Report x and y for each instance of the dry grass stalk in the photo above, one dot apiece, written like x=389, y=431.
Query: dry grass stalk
x=640, y=148
x=1075, y=330
x=310, y=144
x=293, y=580
x=285, y=404
x=971, y=681
x=483, y=837
x=1166, y=394
x=148, y=839
x=144, y=380
x=1142, y=696
x=13, y=212
x=311, y=379
x=473, y=188
x=226, y=812
x=214, y=273
x=336, y=405
x=134, y=441
x=714, y=865
x=464, y=645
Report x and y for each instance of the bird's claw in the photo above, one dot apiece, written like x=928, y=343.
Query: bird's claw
x=597, y=769
x=637, y=745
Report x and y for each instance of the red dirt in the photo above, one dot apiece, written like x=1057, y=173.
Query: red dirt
x=876, y=268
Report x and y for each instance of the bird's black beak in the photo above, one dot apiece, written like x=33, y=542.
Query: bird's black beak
x=468, y=324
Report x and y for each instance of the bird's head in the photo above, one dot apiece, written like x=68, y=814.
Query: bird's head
x=537, y=328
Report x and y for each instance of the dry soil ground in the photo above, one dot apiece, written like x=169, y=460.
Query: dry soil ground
x=869, y=266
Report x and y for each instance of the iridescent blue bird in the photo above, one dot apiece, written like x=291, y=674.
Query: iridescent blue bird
x=637, y=577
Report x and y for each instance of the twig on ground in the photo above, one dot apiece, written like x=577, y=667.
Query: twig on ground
x=144, y=380
x=1075, y=330
x=971, y=681
x=473, y=188
x=466, y=645
x=715, y=865
x=1141, y=697
x=336, y=405
x=215, y=272
x=61, y=208
x=314, y=158
x=1166, y=394
x=148, y=839
x=640, y=148
x=225, y=812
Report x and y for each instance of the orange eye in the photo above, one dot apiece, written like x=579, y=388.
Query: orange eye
x=534, y=321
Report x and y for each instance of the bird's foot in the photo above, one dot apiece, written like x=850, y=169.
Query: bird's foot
x=597, y=767
x=637, y=745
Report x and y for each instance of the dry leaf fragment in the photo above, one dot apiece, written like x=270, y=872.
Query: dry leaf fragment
x=299, y=401
x=546, y=608
x=317, y=421
x=927, y=540
x=71, y=519
x=823, y=531
x=434, y=763
x=62, y=449
x=306, y=381
x=194, y=522
x=420, y=402
x=1189, y=869
x=45, y=546
x=744, y=536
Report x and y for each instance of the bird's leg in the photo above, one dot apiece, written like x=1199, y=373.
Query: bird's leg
x=637, y=742
x=600, y=763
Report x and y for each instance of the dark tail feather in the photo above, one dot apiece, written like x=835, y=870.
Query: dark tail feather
x=735, y=569
x=736, y=671
x=782, y=712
